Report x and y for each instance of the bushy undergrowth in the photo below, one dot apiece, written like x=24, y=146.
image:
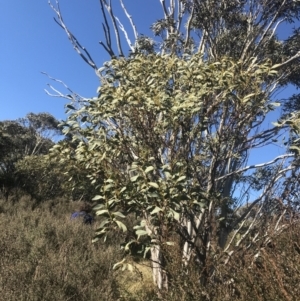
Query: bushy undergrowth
x=265, y=273
x=47, y=256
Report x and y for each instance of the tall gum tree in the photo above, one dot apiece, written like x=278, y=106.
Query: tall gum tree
x=175, y=122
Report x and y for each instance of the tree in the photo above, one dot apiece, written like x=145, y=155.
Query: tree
x=27, y=136
x=175, y=122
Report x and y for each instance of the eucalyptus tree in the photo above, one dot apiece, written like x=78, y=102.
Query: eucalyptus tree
x=23, y=137
x=177, y=118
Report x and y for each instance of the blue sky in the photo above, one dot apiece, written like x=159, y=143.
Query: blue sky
x=31, y=42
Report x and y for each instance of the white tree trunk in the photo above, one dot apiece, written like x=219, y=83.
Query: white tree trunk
x=159, y=275
x=160, y=278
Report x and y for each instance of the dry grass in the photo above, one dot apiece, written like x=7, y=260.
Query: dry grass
x=46, y=256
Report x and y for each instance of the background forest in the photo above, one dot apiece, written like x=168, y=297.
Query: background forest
x=170, y=154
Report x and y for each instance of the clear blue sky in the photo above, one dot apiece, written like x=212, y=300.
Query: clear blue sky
x=32, y=42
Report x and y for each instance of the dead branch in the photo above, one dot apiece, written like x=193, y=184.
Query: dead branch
x=130, y=20
x=125, y=34
x=81, y=50
x=74, y=97
x=109, y=9
x=256, y=166
x=106, y=29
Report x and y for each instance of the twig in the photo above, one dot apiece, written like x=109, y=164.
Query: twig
x=72, y=96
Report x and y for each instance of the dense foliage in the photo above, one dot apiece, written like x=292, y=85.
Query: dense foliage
x=172, y=130
x=29, y=136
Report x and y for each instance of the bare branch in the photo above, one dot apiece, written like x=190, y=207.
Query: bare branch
x=256, y=166
x=188, y=29
x=75, y=97
x=279, y=175
x=296, y=56
x=179, y=15
x=106, y=24
x=163, y=4
x=108, y=7
x=81, y=50
x=130, y=20
x=269, y=26
x=110, y=52
x=106, y=29
x=125, y=34
x=172, y=8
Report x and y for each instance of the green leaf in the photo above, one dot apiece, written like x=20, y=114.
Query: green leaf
x=180, y=179
x=108, y=187
x=141, y=232
x=275, y=104
x=170, y=243
x=175, y=215
x=133, y=179
x=119, y=214
x=148, y=169
x=97, y=197
x=127, y=246
x=147, y=249
x=121, y=226
x=130, y=267
x=154, y=185
x=101, y=212
x=276, y=66
x=155, y=210
x=295, y=148
x=97, y=207
x=123, y=189
x=104, y=223
x=118, y=264
x=246, y=98
x=95, y=239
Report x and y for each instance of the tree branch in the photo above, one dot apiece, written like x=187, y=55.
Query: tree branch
x=256, y=166
x=125, y=34
x=188, y=28
x=77, y=46
x=108, y=7
x=72, y=96
x=130, y=20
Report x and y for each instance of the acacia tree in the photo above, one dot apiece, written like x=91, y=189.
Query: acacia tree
x=176, y=120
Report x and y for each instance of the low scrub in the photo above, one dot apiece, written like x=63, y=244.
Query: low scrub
x=46, y=256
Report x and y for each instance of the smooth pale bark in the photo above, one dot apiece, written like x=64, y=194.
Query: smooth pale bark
x=160, y=278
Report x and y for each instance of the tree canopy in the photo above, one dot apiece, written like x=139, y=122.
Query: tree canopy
x=175, y=121
x=23, y=137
